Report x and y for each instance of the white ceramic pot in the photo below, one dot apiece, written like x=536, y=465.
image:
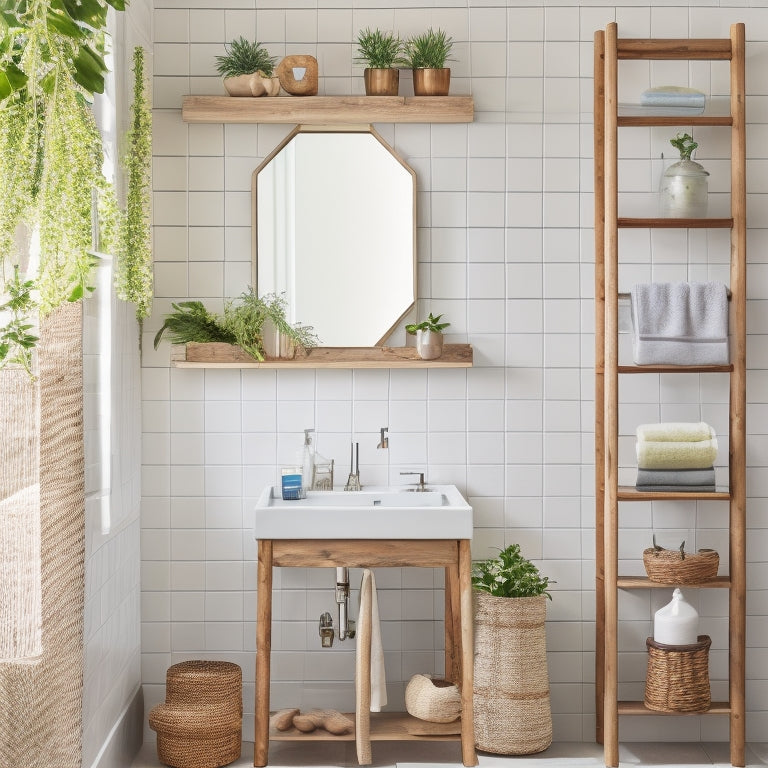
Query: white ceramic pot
x=429, y=344
x=684, y=190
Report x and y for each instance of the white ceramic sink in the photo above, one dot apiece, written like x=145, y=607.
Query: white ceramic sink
x=440, y=512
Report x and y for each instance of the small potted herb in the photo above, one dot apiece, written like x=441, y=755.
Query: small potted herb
x=429, y=336
x=381, y=53
x=248, y=69
x=426, y=54
x=684, y=187
x=512, y=712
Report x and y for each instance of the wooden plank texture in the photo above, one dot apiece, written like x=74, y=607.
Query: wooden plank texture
x=328, y=110
x=365, y=553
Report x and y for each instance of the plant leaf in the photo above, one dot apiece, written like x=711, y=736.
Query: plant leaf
x=89, y=70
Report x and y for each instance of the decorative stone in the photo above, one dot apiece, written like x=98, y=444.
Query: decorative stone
x=264, y=86
x=298, y=75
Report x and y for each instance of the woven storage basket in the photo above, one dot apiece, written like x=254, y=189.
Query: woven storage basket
x=200, y=724
x=433, y=700
x=670, y=567
x=512, y=714
x=678, y=676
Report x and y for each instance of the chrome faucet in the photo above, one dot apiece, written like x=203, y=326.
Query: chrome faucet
x=353, y=481
x=420, y=486
x=384, y=442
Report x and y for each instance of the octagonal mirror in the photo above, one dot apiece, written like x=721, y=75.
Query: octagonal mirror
x=334, y=230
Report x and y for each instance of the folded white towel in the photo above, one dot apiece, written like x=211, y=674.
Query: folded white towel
x=678, y=431
x=680, y=323
x=672, y=96
x=378, y=675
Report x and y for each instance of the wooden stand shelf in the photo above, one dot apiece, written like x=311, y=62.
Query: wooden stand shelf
x=609, y=50
x=217, y=355
x=328, y=110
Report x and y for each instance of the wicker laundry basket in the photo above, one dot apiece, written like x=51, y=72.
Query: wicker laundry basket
x=200, y=724
x=512, y=713
x=678, y=676
x=672, y=566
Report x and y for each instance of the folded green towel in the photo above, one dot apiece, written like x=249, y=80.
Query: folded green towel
x=677, y=431
x=676, y=455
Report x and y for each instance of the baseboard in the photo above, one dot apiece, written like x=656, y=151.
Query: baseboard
x=126, y=736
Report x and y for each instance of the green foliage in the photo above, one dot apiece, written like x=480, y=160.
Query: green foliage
x=244, y=57
x=432, y=323
x=509, y=575
x=429, y=50
x=684, y=144
x=16, y=341
x=380, y=50
x=134, y=269
x=242, y=323
x=192, y=322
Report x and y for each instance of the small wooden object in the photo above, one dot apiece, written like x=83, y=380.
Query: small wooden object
x=298, y=75
x=678, y=676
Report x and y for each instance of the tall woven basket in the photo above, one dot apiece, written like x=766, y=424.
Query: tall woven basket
x=511, y=693
x=678, y=676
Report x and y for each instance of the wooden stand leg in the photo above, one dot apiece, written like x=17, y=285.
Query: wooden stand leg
x=468, y=754
x=452, y=625
x=263, y=652
x=363, y=674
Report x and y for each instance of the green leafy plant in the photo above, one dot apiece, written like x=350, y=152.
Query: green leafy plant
x=16, y=341
x=509, y=575
x=684, y=144
x=429, y=50
x=379, y=50
x=244, y=57
x=242, y=323
x=134, y=267
x=432, y=323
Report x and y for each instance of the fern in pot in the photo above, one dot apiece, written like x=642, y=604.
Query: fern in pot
x=381, y=53
x=512, y=713
x=248, y=69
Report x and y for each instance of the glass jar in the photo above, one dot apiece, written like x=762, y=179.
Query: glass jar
x=683, y=190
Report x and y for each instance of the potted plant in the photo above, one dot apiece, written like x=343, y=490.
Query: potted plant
x=429, y=336
x=684, y=184
x=512, y=713
x=248, y=69
x=426, y=54
x=381, y=53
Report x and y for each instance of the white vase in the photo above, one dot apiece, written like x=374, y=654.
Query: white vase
x=429, y=344
x=684, y=190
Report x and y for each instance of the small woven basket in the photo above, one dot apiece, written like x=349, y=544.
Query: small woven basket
x=671, y=566
x=433, y=700
x=678, y=676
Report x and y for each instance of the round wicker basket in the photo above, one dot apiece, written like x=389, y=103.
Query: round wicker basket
x=512, y=713
x=433, y=700
x=678, y=676
x=671, y=566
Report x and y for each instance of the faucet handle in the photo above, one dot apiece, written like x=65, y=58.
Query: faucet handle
x=421, y=479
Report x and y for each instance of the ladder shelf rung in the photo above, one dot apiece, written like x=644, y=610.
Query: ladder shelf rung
x=639, y=708
x=643, y=582
x=630, y=493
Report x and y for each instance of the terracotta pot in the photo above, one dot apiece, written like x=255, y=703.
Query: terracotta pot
x=429, y=344
x=431, y=82
x=381, y=82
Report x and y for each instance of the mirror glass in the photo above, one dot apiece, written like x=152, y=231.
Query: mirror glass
x=335, y=231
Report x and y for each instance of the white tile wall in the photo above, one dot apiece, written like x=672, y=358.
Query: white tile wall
x=506, y=251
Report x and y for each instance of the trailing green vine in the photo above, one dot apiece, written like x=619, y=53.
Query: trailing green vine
x=134, y=272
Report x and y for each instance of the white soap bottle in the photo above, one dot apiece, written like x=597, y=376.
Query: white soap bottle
x=677, y=623
x=306, y=461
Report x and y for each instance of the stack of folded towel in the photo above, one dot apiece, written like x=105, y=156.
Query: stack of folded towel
x=674, y=98
x=680, y=323
x=676, y=456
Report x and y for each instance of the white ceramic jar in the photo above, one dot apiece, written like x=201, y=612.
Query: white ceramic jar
x=677, y=623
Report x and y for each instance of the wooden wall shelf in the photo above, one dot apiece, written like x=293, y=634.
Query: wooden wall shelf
x=328, y=110
x=229, y=356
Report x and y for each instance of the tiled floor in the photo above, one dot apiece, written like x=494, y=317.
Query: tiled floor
x=447, y=755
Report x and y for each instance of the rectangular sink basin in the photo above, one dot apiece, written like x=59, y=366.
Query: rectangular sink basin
x=440, y=512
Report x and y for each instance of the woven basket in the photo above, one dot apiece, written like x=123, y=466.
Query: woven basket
x=433, y=700
x=200, y=723
x=512, y=713
x=670, y=567
x=678, y=676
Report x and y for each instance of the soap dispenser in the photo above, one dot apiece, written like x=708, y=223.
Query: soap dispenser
x=306, y=459
x=677, y=623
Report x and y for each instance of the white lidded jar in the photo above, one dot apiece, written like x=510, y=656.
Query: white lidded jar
x=684, y=190
x=677, y=623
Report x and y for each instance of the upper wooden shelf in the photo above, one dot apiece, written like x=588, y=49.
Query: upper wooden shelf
x=229, y=356
x=674, y=48
x=664, y=222
x=635, y=121
x=328, y=110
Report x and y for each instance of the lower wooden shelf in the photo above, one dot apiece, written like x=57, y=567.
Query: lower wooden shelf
x=217, y=355
x=639, y=708
x=643, y=582
x=385, y=726
x=630, y=493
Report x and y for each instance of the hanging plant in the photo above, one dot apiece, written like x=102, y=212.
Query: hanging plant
x=134, y=272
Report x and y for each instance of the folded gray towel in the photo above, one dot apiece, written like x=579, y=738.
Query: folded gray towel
x=677, y=488
x=676, y=477
x=680, y=323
